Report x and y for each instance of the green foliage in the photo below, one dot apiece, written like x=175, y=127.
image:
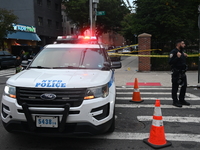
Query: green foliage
x=6, y=20
x=78, y=12
x=166, y=20
x=115, y=12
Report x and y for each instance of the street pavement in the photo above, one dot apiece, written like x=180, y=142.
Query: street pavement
x=129, y=72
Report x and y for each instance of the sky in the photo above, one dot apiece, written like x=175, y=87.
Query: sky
x=130, y=1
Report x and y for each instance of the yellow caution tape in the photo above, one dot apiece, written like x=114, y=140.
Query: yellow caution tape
x=117, y=54
x=123, y=47
x=136, y=51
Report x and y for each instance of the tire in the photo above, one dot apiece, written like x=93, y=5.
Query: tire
x=112, y=127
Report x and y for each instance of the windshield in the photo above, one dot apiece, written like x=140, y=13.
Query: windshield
x=72, y=58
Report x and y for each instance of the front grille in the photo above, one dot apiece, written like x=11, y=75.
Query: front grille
x=31, y=96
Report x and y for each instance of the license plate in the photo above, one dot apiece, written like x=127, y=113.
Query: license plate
x=49, y=122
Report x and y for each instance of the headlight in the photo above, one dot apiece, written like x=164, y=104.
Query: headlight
x=100, y=91
x=10, y=91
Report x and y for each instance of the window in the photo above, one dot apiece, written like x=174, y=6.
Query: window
x=49, y=22
x=40, y=21
x=57, y=25
x=72, y=30
x=39, y=2
x=49, y=3
x=56, y=7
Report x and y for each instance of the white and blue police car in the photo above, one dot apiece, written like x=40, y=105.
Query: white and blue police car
x=68, y=88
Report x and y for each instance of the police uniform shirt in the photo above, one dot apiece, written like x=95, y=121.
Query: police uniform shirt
x=176, y=62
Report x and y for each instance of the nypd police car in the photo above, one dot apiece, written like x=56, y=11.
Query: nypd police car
x=68, y=88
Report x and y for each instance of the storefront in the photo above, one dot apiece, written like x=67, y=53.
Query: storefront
x=23, y=36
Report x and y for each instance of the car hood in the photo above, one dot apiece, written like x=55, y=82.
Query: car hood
x=57, y=78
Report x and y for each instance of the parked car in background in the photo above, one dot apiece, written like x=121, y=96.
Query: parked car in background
x=6, y=59
x=114, y=57
x=126, y=50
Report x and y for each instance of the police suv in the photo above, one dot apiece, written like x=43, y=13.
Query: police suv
x=68, y=88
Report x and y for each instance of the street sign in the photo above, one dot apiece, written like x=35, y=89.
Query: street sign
x=95, y=1
x=101, y=13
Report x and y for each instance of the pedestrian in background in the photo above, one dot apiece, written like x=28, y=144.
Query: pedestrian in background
x=177, y=61
x=19, y=60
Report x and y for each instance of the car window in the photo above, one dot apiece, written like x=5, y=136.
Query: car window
x=1, y=53
x=5, y=53
x=90, y=58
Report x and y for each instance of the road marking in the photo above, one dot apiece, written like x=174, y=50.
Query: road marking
x=7, y=72
x=154, y=98
x=144, y=83
x=156, y=93
x=9, y=76
x=141, y=136
x=171, y=119
x=149, y=88
x=134, y=105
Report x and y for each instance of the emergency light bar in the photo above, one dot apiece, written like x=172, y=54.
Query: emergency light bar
x=77, y=39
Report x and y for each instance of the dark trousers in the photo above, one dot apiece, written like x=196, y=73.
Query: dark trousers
x=175, y=86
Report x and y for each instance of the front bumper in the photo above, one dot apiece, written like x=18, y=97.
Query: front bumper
x=92, y=116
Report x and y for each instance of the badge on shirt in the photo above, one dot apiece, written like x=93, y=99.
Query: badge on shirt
x=171, y=55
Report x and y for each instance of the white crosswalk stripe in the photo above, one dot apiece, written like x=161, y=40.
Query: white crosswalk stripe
x=154, y=98
x=171, y=119
x=141, y=136
x=133, y=105
x=7, y=72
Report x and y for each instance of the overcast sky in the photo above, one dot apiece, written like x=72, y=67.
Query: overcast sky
x=130, y=1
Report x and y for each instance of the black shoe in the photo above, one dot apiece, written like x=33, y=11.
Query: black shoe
x=177, y=104
x=185, y=103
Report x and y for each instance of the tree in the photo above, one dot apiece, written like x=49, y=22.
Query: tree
x=6, y=20
x=166, y=20
x=78, y=12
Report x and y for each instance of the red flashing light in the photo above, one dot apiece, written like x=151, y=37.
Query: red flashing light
x=74, y=38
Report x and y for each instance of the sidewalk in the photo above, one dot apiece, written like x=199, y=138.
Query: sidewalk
x=129, y=71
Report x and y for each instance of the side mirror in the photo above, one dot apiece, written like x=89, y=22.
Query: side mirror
x=25, y=63
x=106, y=66
x=116, y=64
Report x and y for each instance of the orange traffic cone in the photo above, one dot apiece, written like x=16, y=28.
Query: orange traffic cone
x=136, y=94
x=157, y=134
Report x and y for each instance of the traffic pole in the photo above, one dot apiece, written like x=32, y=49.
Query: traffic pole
x=199, y=44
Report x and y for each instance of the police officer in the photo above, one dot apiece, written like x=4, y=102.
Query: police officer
x=177, y=61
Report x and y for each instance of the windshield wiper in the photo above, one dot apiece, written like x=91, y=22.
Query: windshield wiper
x=67, y=67
x=41, y=67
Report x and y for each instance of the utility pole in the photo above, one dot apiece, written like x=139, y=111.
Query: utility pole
x=92, y=10
x=199, y=44
x=91, y=14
